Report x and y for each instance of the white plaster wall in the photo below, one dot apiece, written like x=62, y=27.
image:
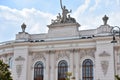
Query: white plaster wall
x=74, y=62
x=23, y=52
x=52, y=66
x=63, y=30
x=102, y=46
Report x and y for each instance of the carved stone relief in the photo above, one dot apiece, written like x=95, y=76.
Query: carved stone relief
x=87, y=52
x=105, y=65
x=6, y=57
x=37, y=56
x=20, y=58
x=62, y=54
x=82, y=53
x=18, y=70
x=104, y=54
x=74, y=50
x=51, y=52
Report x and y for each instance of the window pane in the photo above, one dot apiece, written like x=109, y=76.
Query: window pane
x=87, y=69
x=62, y=69
x=38, y=71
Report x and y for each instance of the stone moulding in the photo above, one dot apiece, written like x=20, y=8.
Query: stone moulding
x=62, y=25
x=20, y=58
x=104, y=54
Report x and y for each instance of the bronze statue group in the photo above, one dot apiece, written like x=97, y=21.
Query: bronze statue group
x=65, y=17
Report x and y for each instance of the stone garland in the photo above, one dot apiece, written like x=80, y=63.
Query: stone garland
x=37, y=56
x=87, y=52
x=62, y=54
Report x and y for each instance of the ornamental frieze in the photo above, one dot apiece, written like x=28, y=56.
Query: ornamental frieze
x=20, y=58
x=87, y=52
x=37, y=56
x=104, y=54
x=62, y=54
x=74, y=50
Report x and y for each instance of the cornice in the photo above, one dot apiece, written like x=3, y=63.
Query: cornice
x=73, y=42
x=101, y=38
x=62, y=25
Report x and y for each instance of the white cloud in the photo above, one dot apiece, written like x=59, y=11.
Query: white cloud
x=81, y=9
x=8, y=14
x=91, y=20
x=114, y=19
x=12, y=19
x=34, y=19
x=95, y=5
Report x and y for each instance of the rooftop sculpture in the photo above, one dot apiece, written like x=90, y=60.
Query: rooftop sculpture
x=105, y=19
x=23, y=26
x=65, y=17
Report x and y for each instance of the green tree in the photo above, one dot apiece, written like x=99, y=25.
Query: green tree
x=117, y=77
x=68, y=74
x=5, y=74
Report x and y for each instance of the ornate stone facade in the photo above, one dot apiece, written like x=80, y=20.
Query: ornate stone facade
x=78, y=49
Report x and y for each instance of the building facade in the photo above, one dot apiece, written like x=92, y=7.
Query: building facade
x=87, y=54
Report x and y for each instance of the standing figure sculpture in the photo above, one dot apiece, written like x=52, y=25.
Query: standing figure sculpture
x=58, y=18
x=64, y=12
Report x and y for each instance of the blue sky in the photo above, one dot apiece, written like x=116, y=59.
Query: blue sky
x=37, y=14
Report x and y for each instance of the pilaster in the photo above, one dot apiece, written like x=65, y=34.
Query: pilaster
x=47, y=67
x=20, y=63
x=77, y=73
x=104, y=61
x=71, y=61
x=52, y=65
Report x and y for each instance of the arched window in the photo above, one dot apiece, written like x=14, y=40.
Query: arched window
x=87, y=70
x=62, y=69
x=38, y=71
x=10, y=62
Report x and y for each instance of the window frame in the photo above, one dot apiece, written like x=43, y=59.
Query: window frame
x=87, y=70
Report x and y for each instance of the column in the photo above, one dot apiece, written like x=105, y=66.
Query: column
x=77, y=66
x=71, y=62
x=47, y=75
x=52, y=65
x=20, y=63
